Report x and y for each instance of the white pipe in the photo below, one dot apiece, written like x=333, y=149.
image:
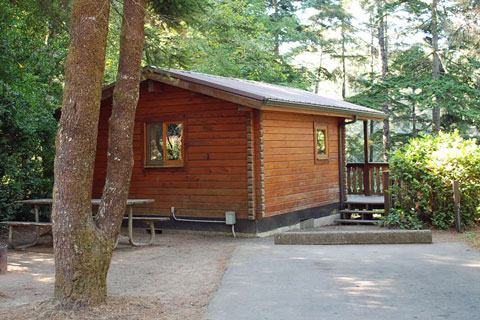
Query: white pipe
x=172, y=209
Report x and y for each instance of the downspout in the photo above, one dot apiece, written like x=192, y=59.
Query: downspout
x=341, y=160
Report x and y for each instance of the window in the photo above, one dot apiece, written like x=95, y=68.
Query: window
x=321, y=141
x=164, y=144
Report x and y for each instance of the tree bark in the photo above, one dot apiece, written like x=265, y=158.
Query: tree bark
x=276, y=48
x=83, y=250
x=435, y=67
x=344, y=68
x=372, y=72
x=121, y=123
x=80, y=266
x=372, y=46
x=414, y=115
x=384, y=58
x=318, y=76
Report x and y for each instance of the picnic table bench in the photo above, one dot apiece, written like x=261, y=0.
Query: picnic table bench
x=36, y=203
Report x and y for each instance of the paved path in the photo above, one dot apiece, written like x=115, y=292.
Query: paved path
x=431, y=281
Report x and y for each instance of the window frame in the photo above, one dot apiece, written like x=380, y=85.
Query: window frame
x=324, y=127
x=147, y=149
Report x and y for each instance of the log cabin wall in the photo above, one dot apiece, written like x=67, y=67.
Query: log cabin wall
x=214, y=176
x=259, y=165
x=293, y=180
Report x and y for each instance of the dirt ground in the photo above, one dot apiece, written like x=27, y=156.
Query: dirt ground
x=470, y=236
x=173, y=279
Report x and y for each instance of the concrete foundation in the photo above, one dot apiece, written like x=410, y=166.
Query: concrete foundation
x=354, y=237
x=315, y=223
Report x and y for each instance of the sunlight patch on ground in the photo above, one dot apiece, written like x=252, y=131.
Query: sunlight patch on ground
x=42, y=278
x=471, y=265
x=441, y=260
x=46, y=260
x=15, y=267
x=374, y=291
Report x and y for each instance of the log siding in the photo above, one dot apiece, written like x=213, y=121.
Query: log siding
x=293, y=178
x=251, y=177
x=213, y=178
x=257, y=163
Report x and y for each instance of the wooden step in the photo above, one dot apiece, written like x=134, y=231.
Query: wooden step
x=355, y=199
x=355, y=221
x=363, y=211
x=364, y=214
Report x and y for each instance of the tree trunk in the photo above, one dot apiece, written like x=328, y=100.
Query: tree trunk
x=83, y=250
x=318, y=76
x=372, y=72
x=276, y=49
x=372, y=46
x=121, y=123
x=414, y=114
x=344, y=68
x=80, y=249
x=384, y=58
x=435, y=67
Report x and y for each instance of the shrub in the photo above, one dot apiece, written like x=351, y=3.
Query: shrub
x=423, y=171
x=397, y=218
x=27, y=133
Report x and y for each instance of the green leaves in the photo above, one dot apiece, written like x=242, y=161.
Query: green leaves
x=234, y=38
x=424, y=170
x=32, y=50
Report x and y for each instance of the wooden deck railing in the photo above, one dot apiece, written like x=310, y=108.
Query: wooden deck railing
x=366, y=179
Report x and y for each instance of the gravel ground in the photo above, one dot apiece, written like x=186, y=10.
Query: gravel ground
x=173, y=279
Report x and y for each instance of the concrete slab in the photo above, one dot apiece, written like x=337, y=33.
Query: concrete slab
x=264, y=281
x=335, y=237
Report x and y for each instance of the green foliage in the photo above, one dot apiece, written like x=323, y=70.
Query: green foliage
x=32, y=49
x=424, y=170
x=174, y=13
x=232, y=38
x=411, y=93
x=238, y=39
x=397, y=218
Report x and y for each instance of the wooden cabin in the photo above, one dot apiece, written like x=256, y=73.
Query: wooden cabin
x=205, y=145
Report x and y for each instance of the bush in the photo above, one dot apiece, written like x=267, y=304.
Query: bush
x=33, y=45
x=397, y=218
x=27, y=133
x=423, y=171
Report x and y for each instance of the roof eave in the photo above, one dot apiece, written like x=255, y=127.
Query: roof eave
x=363, y=115
x=251, y=101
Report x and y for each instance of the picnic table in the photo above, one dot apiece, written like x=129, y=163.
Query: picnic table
x=36, y=203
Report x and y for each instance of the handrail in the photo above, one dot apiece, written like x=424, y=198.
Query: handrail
x=356, y=182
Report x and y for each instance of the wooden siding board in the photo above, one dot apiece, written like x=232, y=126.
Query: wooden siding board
x=293, y=181
x=214, y=177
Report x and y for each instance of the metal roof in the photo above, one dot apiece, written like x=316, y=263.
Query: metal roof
x=270, y=94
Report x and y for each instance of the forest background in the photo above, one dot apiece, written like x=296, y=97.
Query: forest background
x=416, y=60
